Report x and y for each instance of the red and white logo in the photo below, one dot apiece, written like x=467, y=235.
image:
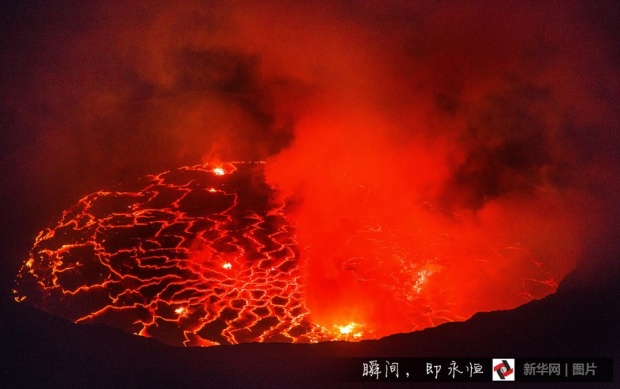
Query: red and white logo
x=503, y=369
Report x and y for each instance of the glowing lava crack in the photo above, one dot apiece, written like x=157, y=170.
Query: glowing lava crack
x=194, y=256
x=204, y=255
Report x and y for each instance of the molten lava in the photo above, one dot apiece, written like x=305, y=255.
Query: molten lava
x=205, y=255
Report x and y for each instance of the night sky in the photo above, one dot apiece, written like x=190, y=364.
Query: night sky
x=460, y=130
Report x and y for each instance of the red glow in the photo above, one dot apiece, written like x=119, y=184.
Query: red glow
x=426, y=161
x=385, y=246
x=195, y=257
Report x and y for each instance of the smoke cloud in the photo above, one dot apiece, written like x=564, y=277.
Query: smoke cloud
x=462, y=151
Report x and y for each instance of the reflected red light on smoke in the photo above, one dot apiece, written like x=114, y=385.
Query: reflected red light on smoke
x=379, y=247
x=208, y=255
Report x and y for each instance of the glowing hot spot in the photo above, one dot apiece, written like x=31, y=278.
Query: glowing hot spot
x=346, y=329
x=346, y=332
